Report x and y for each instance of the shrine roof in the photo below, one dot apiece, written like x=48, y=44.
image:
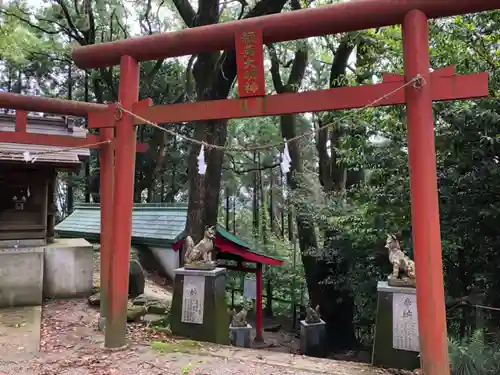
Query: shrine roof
x=157, y=224
x=152, y=224
x=44, y=125
x=14, y=152
x=240, y=250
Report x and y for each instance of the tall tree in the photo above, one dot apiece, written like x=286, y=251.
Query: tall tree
x=214, y=74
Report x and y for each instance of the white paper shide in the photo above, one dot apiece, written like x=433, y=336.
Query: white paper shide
x=193, y=298
x=405, y=334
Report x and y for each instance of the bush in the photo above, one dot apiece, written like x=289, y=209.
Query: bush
x=474, y=356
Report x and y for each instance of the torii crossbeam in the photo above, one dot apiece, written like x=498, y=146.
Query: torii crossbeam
x=445, y=85
x=341, y=17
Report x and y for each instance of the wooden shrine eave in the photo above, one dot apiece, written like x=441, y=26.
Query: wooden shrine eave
x=92, y=140
x=446, y=85
x=22, y=136
x=49, y=140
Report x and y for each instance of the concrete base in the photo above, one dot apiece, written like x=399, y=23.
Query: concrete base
x=313, y=339
x=101, y=324
x=211, y=325
x=21, y=277
x=384, y=354
x=19, y=333
x=241, y=336
x=68, y=269
x=4, y=244
x=168, y=259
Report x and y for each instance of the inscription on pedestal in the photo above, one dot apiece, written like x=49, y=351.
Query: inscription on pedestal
x=405, y=334
x=193, y=298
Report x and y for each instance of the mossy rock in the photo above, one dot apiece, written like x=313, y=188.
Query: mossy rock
x=159, y=308
x=95, y=299
x=141, y=300
x=135, y=313
x=137, y=279
x=155, y=320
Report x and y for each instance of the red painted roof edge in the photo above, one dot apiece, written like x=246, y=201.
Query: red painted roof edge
x=228, y=247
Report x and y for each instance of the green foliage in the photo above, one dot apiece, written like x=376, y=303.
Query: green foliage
x=473, y=356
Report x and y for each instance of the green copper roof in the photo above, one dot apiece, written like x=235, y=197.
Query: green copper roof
x=238, y=241
x=231, y=237
x=152, y=224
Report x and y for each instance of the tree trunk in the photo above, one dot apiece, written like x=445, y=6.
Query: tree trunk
x=87, y=164
x=227, y=213
x=214, y=75
x=255, y=198
x=69, y=184
x=272, y=221
x=305, y=225
x=339, y=312
x=336, y=305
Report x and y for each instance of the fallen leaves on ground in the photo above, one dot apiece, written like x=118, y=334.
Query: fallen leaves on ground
x=72, y=325
x=72, y=345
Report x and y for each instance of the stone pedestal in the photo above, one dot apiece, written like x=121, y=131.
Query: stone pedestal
x=68, y=268
x=241, y=336
x=313, y=339
x=21, y=277
x=396, y=343
x=199, y=310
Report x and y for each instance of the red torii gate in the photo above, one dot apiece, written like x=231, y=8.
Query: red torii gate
x=347, y=16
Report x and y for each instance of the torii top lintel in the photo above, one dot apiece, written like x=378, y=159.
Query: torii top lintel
x=329, y=19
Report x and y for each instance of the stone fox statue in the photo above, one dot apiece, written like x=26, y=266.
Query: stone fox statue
x=239, y=319
x=312, y=315
x=402, y=266
x=202, y=251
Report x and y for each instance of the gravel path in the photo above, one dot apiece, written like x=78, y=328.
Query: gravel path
x=70, y=345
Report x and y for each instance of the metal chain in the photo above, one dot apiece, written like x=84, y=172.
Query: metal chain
x=417, y=79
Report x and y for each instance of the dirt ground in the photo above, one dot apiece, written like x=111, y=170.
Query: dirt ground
x=70, y=345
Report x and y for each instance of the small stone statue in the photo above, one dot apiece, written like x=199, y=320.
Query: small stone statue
x=312, y=315
x=199, y=256
x=239, y=319
x=403, y=268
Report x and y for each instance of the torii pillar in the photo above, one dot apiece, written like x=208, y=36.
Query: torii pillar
x=424, y=197
x=123, y=202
